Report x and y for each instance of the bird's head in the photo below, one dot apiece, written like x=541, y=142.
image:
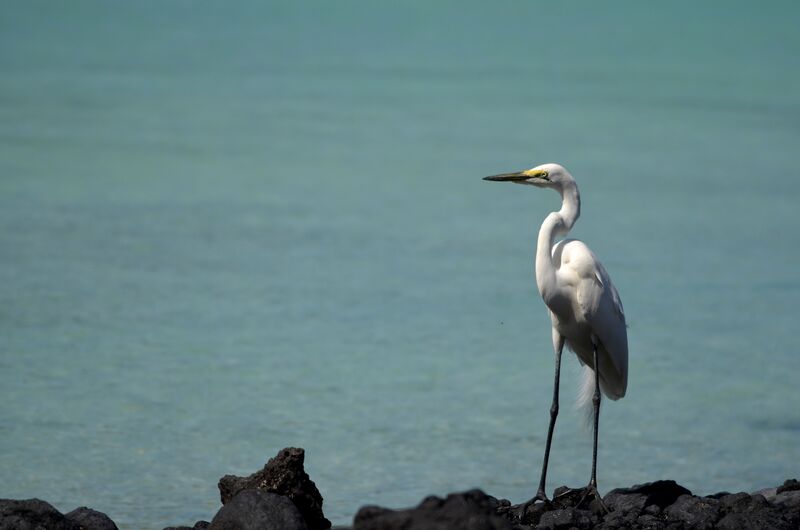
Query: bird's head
x=545, y=176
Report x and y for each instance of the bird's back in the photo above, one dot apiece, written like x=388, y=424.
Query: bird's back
x=586, y=303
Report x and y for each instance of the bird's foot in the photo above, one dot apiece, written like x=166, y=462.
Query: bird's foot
x=583, y=498
x=591, y=494
x=530, y=511
x=540, y=496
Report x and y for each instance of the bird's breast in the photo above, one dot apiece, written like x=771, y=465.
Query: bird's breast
x=562, y=305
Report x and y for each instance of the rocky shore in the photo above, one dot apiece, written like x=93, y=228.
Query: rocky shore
x=281, y=496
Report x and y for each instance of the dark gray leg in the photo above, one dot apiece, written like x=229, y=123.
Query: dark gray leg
x=591, y=489
x=541, y=494
x=596, y=402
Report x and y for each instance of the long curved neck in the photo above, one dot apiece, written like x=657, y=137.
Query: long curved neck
x=555, y=224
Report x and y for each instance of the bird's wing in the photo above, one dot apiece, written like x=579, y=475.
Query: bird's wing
x=608, y=325
x=605, y=280
x=601, y=307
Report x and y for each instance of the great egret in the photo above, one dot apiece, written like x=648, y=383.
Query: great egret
x=585, y=308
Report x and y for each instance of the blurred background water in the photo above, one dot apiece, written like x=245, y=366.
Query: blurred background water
x=226, y=228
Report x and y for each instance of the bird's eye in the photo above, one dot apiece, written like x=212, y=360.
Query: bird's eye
x=545, y=176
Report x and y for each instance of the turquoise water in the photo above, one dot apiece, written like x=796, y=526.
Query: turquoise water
x=226, y=229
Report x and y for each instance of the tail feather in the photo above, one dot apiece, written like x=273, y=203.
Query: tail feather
x=585, y=393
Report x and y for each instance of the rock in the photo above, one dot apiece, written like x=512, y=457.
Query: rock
x=566, y=518
x=282, y=475
x=527, y=513
x=32, y=514
x=696, y=512
x=651, y=522
x=282, y=497
x=254, y=509
x=751, y=511
x=661, y=493
x=470, y=510
x=755, y=521
x=718, y=495
x=565, y=497
x=740, y=502
x=768, y=493
x=787, y=500
x=89, y=519
x=789, y=485
x=199, y=525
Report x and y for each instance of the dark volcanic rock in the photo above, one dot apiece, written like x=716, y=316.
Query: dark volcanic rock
x=650, y=522
x=742, y=502
x=661, y=493
x=789, y=485
x=788, y=500
x=566, y=518
x=755, y=521
x=719, y=495
x=662, y=505
x=89, y=519
x=619, y=519
x=255, y=509
x=565, y=510
x=282, y=497
x=32, y=514
x=282, y=475
x=744, y=511
x=696, y=512
x=564, y=497
x=527, y=513
x=470, y=510
x=199, y=525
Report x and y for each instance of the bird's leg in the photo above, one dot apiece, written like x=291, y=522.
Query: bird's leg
x=596, y=403
x=541, y=494
x=591, y=489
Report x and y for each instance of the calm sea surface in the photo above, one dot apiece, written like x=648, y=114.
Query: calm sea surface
x=226, y=228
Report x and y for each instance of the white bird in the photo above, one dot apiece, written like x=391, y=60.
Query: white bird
x=584, y=306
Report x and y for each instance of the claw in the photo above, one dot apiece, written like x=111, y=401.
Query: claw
x=530, y=511
x=540, y=496
x=591, y=489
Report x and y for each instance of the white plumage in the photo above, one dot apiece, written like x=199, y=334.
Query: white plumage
x=585, y=307
x=593, y=308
